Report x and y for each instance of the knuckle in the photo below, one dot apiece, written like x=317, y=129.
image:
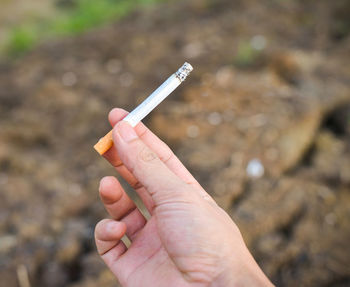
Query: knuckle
x=147, y=155
x=136, y=184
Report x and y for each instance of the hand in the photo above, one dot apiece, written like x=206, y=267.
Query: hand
x=188, y=241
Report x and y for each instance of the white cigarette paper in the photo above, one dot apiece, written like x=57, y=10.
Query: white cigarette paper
x=141, y=111
x=158, y=95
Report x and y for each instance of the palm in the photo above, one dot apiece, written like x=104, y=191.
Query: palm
x=147, y=260
x=163, y=251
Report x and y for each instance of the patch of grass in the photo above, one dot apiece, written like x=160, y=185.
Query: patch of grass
x=90, y=13
x=80, y=17
x=246, y=55
x=250, y=54
x=21, y=39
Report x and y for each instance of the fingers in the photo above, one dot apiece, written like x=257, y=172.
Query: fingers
x=162, y=151
x=120, y=206
x=108, y=234
x=163, y=185
x=114, y=198
x=155, y=144
x=111, y=155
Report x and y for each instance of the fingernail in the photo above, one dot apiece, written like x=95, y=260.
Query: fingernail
x=126, y=131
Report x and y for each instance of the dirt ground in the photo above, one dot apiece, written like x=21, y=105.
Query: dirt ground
x=263, y=123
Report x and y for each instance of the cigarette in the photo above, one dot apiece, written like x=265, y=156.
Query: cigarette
x=148, y=105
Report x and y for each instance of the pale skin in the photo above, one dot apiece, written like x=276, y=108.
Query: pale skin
x=188, y=240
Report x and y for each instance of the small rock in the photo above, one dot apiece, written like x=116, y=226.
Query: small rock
x=193, y=50
x=258, y=42
x=126, y=80
x=113, y=66
x=224, y=76
x=258, y=120
x=7, y=242
x=255, y=169
x=69, y=79
x=192, y=131
x=214, y=119
x=330, y=218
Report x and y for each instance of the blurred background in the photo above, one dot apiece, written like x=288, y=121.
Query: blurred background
x=263, y=123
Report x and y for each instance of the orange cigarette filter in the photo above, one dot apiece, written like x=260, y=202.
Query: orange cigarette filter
x=104, y=144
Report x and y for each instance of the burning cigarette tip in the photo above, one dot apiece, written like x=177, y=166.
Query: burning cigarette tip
x=184, y=71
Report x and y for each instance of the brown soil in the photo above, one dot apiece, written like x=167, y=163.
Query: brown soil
x=287, y=105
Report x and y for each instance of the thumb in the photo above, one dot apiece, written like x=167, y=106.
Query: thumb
x=162, y=184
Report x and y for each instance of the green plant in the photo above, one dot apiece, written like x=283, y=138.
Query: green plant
x=21, y=39
x=246, y=55
x=80, y=17
x=89, y=13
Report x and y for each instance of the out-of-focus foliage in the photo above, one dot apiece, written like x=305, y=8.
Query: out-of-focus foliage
x=21, y=39
x=73, y=17
x=246, y=55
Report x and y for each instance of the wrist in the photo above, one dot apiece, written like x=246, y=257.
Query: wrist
x=242, y=273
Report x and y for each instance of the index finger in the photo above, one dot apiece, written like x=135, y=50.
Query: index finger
x=162, y=150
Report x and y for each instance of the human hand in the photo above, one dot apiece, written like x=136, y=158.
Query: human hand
x=188, y=241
